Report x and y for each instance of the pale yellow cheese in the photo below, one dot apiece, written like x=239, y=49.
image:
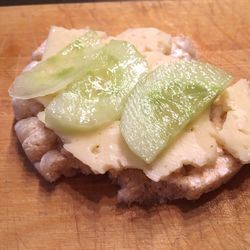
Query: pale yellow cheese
x=196, y=147
x=45, y=100
x=235, y=133
x=105, y=149
x=60, y=37
x=147, y=39
x=156, y=58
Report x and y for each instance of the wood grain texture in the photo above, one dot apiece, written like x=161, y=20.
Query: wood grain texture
x=81, y=212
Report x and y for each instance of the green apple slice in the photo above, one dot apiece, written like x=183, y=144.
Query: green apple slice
x=57, y=71
x=98, y=98
x=166, y=100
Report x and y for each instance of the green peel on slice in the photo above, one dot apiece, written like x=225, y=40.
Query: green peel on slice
x=57, y=71
x=98, y=97
x=165, y=101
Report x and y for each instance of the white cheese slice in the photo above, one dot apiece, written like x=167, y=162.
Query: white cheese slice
x=105, y=149
x=45, y=100
x=60, y=37
x=156, y=58
x=196, y=147
x=235, y=133
x=147, y=39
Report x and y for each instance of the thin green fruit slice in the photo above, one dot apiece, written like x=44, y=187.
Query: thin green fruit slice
x=57, y=71
x=165, y=101
x=98, y=98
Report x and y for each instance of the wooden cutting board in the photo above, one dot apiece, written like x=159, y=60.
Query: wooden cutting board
x=81, y=212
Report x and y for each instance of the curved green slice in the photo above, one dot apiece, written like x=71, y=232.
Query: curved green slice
x=57, y=71
x=165, y=101
x=98, y=98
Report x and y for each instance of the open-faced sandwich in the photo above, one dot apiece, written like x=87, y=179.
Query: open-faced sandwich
x=137, y=106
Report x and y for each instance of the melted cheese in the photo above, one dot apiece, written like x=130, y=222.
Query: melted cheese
x=235, y=133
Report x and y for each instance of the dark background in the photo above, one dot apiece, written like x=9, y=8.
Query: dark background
x=23, y=2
